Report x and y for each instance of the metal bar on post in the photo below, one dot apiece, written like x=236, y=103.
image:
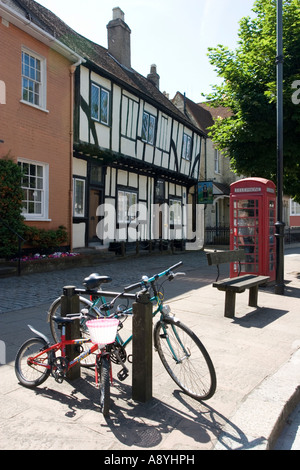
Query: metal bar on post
x=70, y=304
x=279, y=225
x=142, y=348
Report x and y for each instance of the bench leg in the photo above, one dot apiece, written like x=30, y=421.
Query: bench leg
x=229, y=304
x=253, y=295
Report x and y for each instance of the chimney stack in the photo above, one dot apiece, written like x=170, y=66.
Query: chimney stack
x=153, y=76
x=118, y=35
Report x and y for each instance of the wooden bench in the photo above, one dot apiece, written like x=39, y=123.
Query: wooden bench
x=235, y=285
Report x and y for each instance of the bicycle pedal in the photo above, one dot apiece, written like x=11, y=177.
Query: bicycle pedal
x=59, y=378
x=122, y=374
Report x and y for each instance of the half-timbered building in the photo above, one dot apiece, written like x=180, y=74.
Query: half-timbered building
x=136, y=157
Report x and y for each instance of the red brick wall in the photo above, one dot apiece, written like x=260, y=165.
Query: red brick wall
x=34, y=134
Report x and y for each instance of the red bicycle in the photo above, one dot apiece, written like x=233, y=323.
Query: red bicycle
x=37, y=359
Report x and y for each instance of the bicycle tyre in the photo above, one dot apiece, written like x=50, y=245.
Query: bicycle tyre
x=104, y=384
x=31, y=376
x=194, y=373
x=55, y=310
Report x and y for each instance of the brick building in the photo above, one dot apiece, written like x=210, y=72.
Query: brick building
x=36, y=114
x=99, y=133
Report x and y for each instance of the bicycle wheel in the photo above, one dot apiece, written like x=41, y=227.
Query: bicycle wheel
x=90, y=314
x=32, y=375
x=104, y=384
x=55, y=311
x=185, y=358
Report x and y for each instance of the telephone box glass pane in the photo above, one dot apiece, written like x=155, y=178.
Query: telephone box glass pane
x=246, y=224
x=271, y=235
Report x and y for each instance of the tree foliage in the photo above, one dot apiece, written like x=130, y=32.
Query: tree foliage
x=249, y=136
x=11, y=195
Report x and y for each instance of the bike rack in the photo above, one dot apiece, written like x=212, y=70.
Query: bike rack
x=141, y=335
x=70, y=304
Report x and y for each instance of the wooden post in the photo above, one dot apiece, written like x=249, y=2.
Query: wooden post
x=142, y=348
x=253, y=296
x=123, y=249
x=70, y=304
x=229, y=304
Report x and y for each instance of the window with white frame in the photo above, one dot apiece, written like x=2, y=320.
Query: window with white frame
x=33, y=79
x=163, y=134
x=79, y=198
x=148, y=128
x=295, y=208
x=35, y=187
x=187, y=147
x=100, y=104
x=217, y=162
x=129, y=117
x=127, y=206
x=175, y=212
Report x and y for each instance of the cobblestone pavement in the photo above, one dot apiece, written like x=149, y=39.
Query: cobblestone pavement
x=30, y=290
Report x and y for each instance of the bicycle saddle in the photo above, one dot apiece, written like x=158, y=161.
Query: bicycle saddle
x=95, y=280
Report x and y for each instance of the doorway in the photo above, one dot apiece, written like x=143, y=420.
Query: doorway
x=95, y=201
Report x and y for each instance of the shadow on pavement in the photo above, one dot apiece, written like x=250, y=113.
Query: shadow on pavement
x=146, y=425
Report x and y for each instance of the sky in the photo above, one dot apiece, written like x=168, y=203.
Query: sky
x=173, y=34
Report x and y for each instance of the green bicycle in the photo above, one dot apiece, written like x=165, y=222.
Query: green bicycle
x=180, y=350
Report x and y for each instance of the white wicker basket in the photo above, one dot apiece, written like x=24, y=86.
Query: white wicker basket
x=103, y=331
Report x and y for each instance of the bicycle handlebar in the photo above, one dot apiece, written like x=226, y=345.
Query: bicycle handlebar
x=152, y=279
x=145, y=283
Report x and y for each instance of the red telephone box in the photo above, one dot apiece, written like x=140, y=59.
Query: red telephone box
x=252, y=225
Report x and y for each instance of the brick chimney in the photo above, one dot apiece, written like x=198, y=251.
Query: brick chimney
x=118, y=35
x=153, y=76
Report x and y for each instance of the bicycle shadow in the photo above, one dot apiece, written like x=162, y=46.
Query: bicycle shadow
x=146, y=425
x=84, y=395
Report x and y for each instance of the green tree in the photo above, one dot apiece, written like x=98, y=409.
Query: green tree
x=11, y=195
x=249, y=136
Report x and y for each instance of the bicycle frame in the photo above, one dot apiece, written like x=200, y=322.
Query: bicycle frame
x=146, y=284
x=100, y=299
x=61, y=346
x=174, y=342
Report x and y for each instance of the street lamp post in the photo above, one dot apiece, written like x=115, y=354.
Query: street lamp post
x=279, y=285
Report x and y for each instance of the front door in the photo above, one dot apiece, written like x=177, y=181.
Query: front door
x=95, y=201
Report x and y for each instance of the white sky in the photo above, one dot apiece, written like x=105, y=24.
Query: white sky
x=173, y=34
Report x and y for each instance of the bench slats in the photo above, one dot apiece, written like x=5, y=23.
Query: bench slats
x=239, y=284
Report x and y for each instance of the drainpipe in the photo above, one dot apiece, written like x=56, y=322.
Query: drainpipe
x=73, y=68
x=205, y=158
